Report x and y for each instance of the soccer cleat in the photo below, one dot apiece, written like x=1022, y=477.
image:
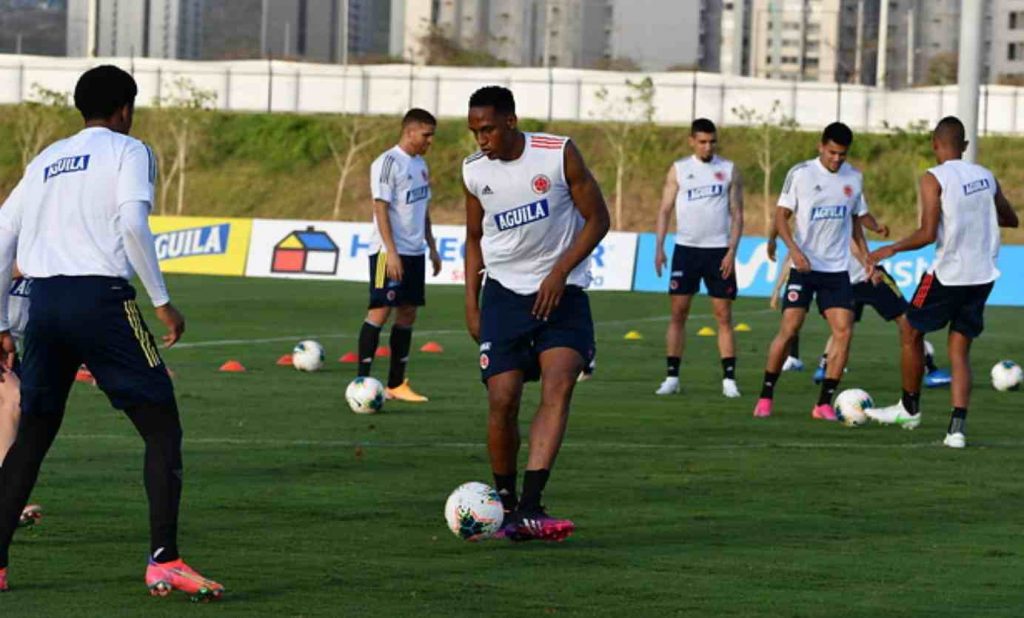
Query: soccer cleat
x=819, y=375
x=763, y=409
x=955, y=440
x=537, y=525
x=670, y=386
x=3, y=579
x=894, y=415
x=404, y=392
x=793, y=364
x=163, y=577
x=937, y=378
x=824, y=412
x=729, y=388
x=30, y=516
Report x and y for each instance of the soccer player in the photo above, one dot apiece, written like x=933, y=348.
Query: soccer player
x=962, y=209
x=826, y=196
x=534, y=214
x=707, y=194
x=400, y=184
x=78, y=220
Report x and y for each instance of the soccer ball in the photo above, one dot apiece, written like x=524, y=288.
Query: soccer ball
x=1007, y=376
x=308, y=356
x=474, y=511
x=850, y=406
x=365, y=395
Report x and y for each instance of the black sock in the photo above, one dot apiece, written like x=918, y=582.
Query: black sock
x=823, y=361
x=828, y=388
x=533, y=486
x=506, y=486
x=911, y=402
x=369, y=337
x=673, y=366
x=794, y=346
x=929, y=362
x=160, y=429
x=729, y=368
x=401, y=340
x=768, y=388
x=958, y=421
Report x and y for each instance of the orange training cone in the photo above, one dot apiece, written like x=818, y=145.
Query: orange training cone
x=232, y=366
x=433, y=347
x=285, y=360
x=349, y=357
x=383, y=352
x=84, y=375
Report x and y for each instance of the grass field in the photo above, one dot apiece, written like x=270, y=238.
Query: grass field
x=684, y=505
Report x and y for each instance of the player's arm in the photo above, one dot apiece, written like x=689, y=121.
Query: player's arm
x=735, y=225
x=10, y=227
x=931, y=211
x=859, y=246
x=668, y=203
x=782, y=217
x=474, y=262
x=586, y=195
x=868, y=221
x=1004, y=210
x=435, y=257
x=393, y=263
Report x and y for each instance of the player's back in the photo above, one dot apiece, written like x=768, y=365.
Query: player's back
x=968, y=235
x=68, y=202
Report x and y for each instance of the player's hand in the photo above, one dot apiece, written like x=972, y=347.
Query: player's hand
x=435, y=260
x=7, y=350
x=473, y=322
x=393, y=267
x=173, y=320
x=883, y=230
x=549, y=294
x=659, y=260
x=728, y=264
x=876, y=277
x=771, y=247
x=773, y=301
x=800, y=262
x=879, y=254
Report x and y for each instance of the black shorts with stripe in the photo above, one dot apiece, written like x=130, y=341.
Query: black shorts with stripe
x=410, y=291
x=886, y=297
x=95, y=321
x=961, y=306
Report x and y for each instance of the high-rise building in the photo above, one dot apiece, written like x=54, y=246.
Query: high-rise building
x=145, y=28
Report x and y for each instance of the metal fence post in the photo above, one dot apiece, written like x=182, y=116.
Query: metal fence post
x=551, y=92
x=693, y=96
x=721, y=101
x=1013, y=115
x=21, y=83
x=411, y=81
x=364, y=88
x=227, y=89
x=437, y=94
x=579, y=98
x=298, y=88
x=270, y=84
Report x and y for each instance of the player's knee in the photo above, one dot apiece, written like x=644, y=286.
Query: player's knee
x=724, y=318
x=405, y=316
x=680, y=313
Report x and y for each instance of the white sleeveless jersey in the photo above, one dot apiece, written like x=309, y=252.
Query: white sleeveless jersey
x=702, y=202
x=17, y=308
x=530, y=220
x=968, y=237
x=403, y=181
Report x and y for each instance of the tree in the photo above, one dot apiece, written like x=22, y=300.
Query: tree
x=346, y=137
x=942, y=69
x=630, y=133
x=439, y=50
x=180, y=118
x=770, y=130
x=38, y=120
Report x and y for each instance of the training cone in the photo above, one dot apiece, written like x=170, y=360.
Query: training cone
x=84, y=376
x=284, y=361
x=383, y=352
x=633, y=335
x=706, y=331
x=349, y=357
x=232, y=366
x=433, y=347
x=742, y=327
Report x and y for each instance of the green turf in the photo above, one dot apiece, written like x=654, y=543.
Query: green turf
x=685, y=505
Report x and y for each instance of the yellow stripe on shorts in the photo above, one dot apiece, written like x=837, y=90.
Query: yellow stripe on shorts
x=892, y=284
x=145, y=340
x=381, y=276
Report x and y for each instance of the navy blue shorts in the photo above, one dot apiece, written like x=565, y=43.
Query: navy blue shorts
x=512, y=339
x=91, y=320
x=830, y=289
x=692, y=264
x=961, y=306
x=408, y=292
x=886, y=298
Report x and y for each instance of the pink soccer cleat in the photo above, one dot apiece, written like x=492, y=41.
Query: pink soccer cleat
x=537, y=525
x=824, y=412
x=3, y=579
x=163, y=577
x=763, y=409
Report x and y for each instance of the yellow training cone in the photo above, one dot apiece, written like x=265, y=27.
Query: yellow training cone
x=743, y=327
x=707, y=331
x=633, y=335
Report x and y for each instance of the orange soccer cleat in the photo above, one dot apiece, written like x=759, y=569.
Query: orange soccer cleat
x=404, y=392
x=163, y=577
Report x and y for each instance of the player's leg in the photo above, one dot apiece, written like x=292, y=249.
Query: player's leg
x=722, y=308
x=504, y=393
x=967, y=324
x=819, y=372
x=400, y=343
x=675, y=342
x=369, y=337
x=793, y=362
x=10, y=413
x=840, y=322
x=792, y=321
x=934, y=376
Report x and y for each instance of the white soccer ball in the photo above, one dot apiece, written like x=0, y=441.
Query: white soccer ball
x=850, y=406
x=365, y=395
x=474, y=511
x=1007, y=376
x=308, y=356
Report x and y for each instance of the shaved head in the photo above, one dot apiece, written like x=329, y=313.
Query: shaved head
x=950, y=132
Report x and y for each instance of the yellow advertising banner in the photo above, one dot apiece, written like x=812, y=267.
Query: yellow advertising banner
x=202, y=245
